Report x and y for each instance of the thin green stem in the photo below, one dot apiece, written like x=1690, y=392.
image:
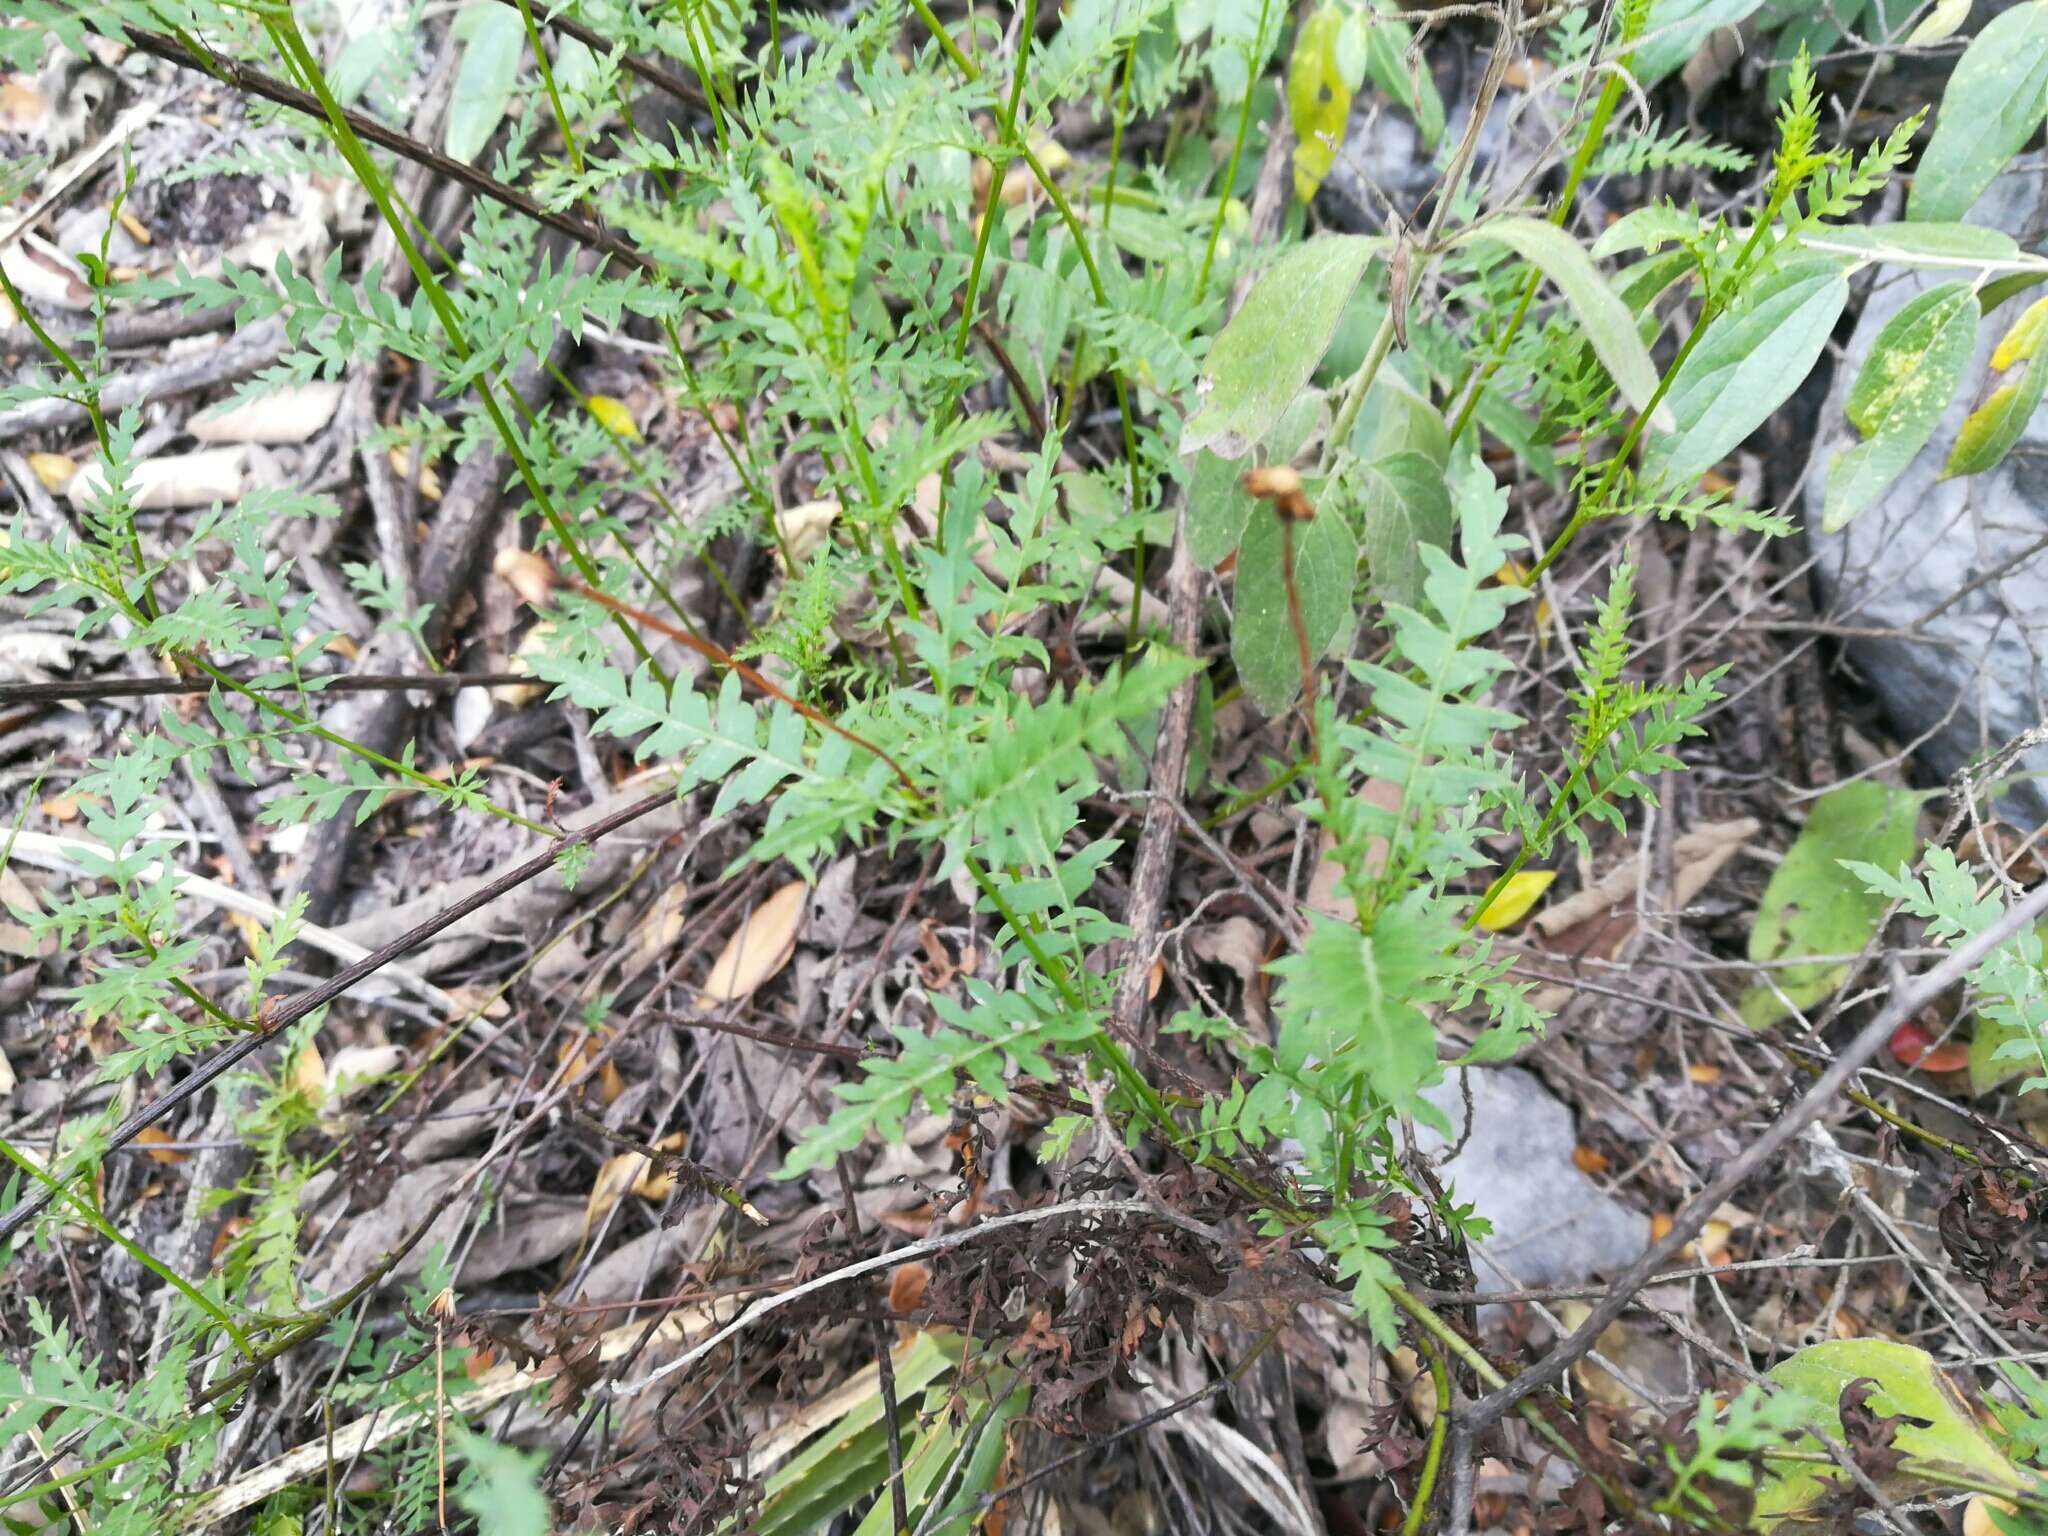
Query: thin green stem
x=90, y=1215
x=1596, y=130
x=547, y=76
x=1223, y=193
x=1439, y=1430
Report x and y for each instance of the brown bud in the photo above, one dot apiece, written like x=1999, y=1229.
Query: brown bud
x=1282, y=487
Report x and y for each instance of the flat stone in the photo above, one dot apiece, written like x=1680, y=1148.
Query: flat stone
x=1552, y=1225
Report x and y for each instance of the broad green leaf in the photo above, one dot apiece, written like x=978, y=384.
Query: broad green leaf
x=1398, y=418
x=1999, y=289
x=1272, y=344
x=1677, y=29
x=1904, y=387
x=1318, y=100
x=1262, y=641
x=1607, y=322
x=1746, y=366
x=1910, y=245
x=1218, y=508
x=1218, y=503
x=1995, y=101
x=1812, y=906
x=1990, y=431
x=1937, y=1434
x=484, y=80
x=1406, y=506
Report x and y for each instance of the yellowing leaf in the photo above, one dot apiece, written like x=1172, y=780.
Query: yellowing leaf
x=614, y=417
x=1523, y=890
x=758, y=949
x=1940, y=23
x=2020, y=343
x=1318, y=100
x=615, y=1177
x=53, y=469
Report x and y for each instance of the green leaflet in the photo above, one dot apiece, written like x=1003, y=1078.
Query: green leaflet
x=1746, y=366
x=1262, y=640
x=1272, y=344
x=1607, y=322
x=1813, y=906
x=1318, y=99
x=1900, y=394
x=484, y=80
x=1994, y=102
x=500, y=1486
x=1937, y=1433
x=1406, y=506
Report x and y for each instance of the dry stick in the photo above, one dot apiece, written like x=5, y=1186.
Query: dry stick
x=93, y=690
x=318, y=997
x=1168, y=771
x=245, y=77
x=1482, y=1414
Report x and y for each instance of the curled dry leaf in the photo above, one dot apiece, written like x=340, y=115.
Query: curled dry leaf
x=574, y=1059
x=805, y=527
x=758, y=949
x=156, y=1145
x=54, y=470
x=525, y=573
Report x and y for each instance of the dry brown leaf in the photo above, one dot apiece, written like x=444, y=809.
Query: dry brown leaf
x=907, y=1285
x=288, y=415
x=430, y=477
x=309, y=1074
x=525, y=573
x=759, y=948
x=805, y=527
x=656, y=1183
x=54, y=470
x=615, y=1178
x=1325, y=895
x=575, y=1057
x=655, y=934
x=155, y=1142
x=172, y=480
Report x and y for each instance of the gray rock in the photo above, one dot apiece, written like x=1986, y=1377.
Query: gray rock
x=1551, y=1224
x=1963, y=564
